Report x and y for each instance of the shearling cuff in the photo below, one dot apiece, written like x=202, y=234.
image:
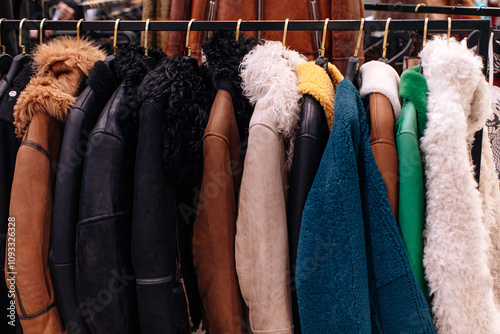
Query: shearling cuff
x=313, y=80
x=379, y=77
x=41, y=95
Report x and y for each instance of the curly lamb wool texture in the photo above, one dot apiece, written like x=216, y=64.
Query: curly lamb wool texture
x=461, y=221
x=269, y=74
x=224, y=55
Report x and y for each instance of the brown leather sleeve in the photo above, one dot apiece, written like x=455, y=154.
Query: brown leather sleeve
x=344, y=42
x=383, y=144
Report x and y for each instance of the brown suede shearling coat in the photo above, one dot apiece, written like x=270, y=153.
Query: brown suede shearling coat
x=38, y=117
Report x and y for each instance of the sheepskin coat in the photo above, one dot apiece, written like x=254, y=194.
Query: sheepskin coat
x=79, y=124
x=39, y=114
x=410, y=127
x=8, y=152
x=215, y=227
x=462, y=225
x=168, y=165
x=316, y=118
x=262, y=262
x=103, y=231
x=379, y=89
x=353, y=274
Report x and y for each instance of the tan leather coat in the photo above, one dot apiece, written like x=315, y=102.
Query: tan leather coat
x=215, y=226
x=339, y=47
x=38, y=116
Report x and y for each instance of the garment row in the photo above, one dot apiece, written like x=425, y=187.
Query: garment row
x=256, y=193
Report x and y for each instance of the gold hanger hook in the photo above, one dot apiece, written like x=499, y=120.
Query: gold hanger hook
x=188, y=48
x=360, y=37
x=238, y=30
x=426, y=23
x=325, y=29
x=449, y=31
x=42, y=22
x=146, y=32
x=78, y=31
x=21, y=45
x=418, y=6
x=115, y=34
x=285, y=30
x=386, y=32
x=1, y=46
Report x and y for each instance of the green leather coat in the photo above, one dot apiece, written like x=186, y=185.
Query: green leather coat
x=410, y=127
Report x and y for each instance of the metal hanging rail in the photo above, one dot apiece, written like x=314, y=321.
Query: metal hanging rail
x=434, y=26
x=450, y=10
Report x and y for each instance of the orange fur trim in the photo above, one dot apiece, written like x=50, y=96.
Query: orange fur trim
x=65, y=49
x=42, y=95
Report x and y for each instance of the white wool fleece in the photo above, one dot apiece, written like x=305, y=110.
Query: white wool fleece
x=269, y=75
x=459, y=250
x=379, y=77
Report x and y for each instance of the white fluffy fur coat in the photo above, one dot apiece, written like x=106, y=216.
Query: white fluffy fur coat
x=461, y=255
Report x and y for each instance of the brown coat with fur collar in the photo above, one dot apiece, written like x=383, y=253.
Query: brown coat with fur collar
x=38, y=117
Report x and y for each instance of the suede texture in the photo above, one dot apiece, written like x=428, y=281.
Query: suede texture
x=39, y=114
x=349, y=242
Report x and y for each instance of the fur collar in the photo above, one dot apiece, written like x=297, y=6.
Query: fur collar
x=102, y=81
x=455, y=73
x=461, y=222
x=224, y=55
x=313, y=80
x=45, y=93
x=269, y=74
x=66, y=49
x=379, y=77
x=413, y=87
x=184, y=92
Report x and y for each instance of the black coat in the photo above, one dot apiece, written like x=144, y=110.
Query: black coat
x=310, y=142
x=168, y=167
x=78, y=126
x=105, y=279
x=8, y=151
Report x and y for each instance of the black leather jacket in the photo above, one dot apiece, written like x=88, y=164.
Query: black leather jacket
x=310, y=142
x=79, y=124
x=8, y=151
x=105, y=279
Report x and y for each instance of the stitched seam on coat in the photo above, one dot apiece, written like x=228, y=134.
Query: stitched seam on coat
x=153, y=281
x=39, y=313
x=36, y=146
x=213, y=134
x=264, y=125
x=101, y=217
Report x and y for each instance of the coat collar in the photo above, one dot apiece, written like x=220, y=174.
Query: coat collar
x=45, y=93
x=379, y=77
x=413, y=87
x=455, y=73
x=269, y=76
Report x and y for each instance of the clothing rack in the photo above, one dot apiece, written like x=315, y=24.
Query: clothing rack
x=450, y=10
x=434, y=26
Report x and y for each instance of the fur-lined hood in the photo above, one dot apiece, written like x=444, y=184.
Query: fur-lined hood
x=379, y=77
x=224, y=56
x=462, y=223
x=269, y=74
x=60, y=66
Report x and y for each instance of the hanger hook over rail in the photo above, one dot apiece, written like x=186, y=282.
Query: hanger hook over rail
x=323, y=41
x=188, y=48
x=21, y=45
